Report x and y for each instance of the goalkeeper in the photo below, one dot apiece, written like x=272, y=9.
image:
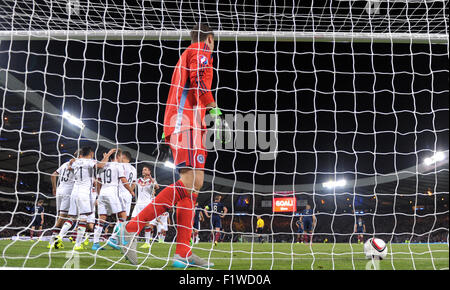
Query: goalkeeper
x=189, y=100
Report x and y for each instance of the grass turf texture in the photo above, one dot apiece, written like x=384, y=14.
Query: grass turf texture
x=236, y=256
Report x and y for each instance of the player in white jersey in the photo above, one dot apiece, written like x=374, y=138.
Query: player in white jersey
x=163, y=221
x=146, y=187
x=109, y=201
x=130, y=175
x=61, y=188
x=80, y=198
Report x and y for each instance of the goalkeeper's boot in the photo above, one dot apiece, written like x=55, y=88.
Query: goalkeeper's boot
x=96, y=246
x=191, y=261
x=113, y=244
x=127, y=243
x=145, y=246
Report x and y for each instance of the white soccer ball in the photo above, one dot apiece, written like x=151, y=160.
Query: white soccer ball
x=375, y=248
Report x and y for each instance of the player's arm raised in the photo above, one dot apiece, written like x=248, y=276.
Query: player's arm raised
x=106, y=156
x=156, y=185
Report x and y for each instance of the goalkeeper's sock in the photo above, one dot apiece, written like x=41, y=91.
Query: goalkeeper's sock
x=162, y=202
x=185, y=216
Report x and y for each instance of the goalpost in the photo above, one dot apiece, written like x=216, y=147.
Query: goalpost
x=341, y=105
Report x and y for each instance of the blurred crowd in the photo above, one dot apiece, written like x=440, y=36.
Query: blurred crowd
x=16, y=219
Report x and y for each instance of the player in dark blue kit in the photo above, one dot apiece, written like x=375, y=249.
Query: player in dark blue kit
x=217, y=210
x=360, y=229
x=198, y=218
x=38, y=218
x=308, y=223
x=299, y=225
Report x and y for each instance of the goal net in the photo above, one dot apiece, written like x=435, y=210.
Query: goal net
x=338, y=111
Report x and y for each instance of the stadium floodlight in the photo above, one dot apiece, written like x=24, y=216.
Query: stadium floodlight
x=73, y=120
x=438, y=156
x=334, y=184
x=169, y=164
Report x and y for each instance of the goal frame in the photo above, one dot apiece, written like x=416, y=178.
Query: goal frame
x=225, y=35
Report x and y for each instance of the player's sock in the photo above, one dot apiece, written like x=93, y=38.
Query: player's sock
x=185, y=215
x=195, y=237
x=114, y=234
x=54, y=234
x=148, y=234
x=217, y=237
x=86, y=236
x=98, y=232
x=80, y=233
x=162, y=202
x=31, y=234
x=65, y=228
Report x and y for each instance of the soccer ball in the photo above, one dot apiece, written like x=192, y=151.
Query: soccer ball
x=375, y=248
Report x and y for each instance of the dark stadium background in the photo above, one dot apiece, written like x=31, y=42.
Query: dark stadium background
x=329, y=121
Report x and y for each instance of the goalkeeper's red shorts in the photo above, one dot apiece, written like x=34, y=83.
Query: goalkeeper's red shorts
x=188, y=149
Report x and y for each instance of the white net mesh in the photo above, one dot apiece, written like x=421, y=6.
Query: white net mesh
x=348, y=91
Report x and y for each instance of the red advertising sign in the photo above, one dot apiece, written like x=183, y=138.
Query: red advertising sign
x=284, y=204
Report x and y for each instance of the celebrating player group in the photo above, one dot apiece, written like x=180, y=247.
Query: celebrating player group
x=88, y=188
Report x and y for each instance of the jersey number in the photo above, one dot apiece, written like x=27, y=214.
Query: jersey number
x=107, y=176
x=65, y=177
x=130, y=178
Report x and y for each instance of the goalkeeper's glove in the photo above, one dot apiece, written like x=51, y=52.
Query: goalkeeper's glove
x=162, y=151
x=221, y=128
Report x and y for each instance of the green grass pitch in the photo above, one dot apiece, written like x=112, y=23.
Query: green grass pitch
x=234, y=256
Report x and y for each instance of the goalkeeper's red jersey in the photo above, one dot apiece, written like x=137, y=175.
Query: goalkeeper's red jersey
x=190, y=90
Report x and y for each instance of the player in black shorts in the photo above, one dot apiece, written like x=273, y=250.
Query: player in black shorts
x=198, y=218
x=38, y=219
x=216, y=211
